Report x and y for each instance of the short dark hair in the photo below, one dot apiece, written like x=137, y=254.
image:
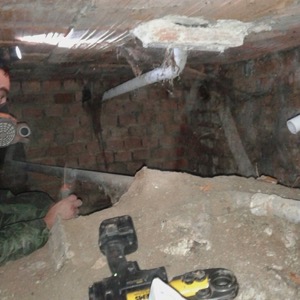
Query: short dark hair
x=5, y=68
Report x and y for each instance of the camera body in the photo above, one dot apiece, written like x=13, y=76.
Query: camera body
x=117, y=238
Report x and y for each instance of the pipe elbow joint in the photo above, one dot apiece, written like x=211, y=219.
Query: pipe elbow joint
x=156, y=75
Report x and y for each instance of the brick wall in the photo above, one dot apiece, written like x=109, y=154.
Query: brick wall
x=177, y=130
x=265, y=93
x=136, y=129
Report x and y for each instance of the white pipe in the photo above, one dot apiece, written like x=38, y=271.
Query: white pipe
x=294, y=124
x=158, y=74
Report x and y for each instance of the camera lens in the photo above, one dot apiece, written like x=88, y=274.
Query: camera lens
x=222, y=280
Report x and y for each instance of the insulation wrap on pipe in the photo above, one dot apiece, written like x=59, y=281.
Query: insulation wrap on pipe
x=156, y=75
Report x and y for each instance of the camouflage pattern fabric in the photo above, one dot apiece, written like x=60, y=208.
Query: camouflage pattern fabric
x=22, y=228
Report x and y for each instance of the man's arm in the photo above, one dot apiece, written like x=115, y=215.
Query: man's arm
x=19, y=238
x=23, y=238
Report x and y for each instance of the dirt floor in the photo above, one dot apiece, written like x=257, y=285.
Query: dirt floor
x=183, y=223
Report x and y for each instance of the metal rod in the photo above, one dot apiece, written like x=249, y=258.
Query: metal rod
x=114, y=184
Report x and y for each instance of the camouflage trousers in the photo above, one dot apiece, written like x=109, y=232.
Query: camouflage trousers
x=22, y=228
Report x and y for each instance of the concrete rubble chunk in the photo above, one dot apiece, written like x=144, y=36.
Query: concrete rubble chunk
x=195, y=33
x=264, y=204
x=58, y=246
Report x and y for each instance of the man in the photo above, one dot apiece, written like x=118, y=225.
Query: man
x=27, y=218
x=4, y=86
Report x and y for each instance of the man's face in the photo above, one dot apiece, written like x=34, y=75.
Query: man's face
x=3, y=96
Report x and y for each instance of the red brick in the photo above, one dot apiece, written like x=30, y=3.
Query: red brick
x=169, y=105
x=77, y=109
x=156, y=93
x=87, y=161
x=146, y=117
x=182, y=164
x=161, y=153
x=55, y=110
x=93, y=147
x=177, y=93
x=109, y=107
x=180, y=117
x=140, y=154
x=173, y=152
x=106, y=157
x=72, y=85
x=127, y=119
x=156, y=130
x=56, y=151
x=168, y=141
x=123, y=156
x=132, y=143
x=85, y=119
x=31, y=86
x=64, y=98
x=137, y=130
x=51, y=86
x=46, y=99
x=71, y=122
x=109, y=120
x=179, y=151
x=133, y=106
x=34, y=152
x=64, y=138
x=27, y=98
x=83, y=134
x=114, y=144
x=76, y=148
x=6, y=15
x=30, y=112
x=15, y=87
x=149, y=142
x=165, y=117
x=117, y=132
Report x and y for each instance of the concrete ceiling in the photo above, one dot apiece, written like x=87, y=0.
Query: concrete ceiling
x=87, y=38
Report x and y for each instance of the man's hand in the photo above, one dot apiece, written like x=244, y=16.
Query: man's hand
x=67, y=208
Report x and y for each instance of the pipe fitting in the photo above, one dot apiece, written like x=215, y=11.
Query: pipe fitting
x=293, y=124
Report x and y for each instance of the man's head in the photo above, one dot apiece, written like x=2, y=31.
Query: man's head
x=4, y=86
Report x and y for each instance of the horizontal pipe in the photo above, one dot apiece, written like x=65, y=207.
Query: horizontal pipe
x=114, y=184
